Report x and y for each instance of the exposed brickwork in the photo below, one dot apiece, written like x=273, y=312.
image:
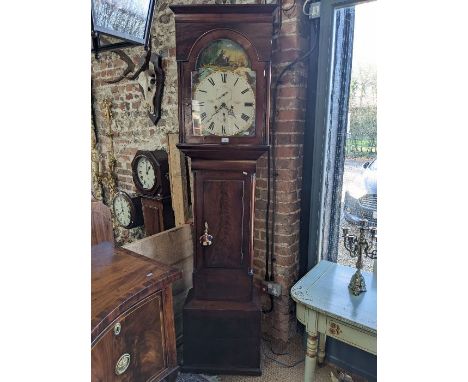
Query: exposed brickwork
x=135, y=131
x=291, y=43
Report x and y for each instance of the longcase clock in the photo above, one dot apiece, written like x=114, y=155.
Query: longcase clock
x=223, y=56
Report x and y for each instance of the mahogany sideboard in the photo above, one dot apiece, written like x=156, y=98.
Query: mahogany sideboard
x=132, y=320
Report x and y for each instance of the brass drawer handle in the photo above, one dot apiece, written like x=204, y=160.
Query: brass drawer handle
x=122, y=364
x=334, y=329
x=117, y=328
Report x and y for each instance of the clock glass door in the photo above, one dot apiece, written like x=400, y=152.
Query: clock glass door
x=223, y=91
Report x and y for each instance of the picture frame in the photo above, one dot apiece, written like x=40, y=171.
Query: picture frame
x=129, y=20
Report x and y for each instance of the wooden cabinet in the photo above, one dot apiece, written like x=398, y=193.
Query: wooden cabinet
x=132, y=322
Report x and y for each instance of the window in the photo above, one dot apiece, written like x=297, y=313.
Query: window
x=344, y=189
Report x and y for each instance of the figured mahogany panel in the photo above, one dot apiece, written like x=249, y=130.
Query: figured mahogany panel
x=158, y=215
x=223, y=202
x=101, y=223
x=141, y=336
x=134, y=292
x=121, y=278
x=223, y=199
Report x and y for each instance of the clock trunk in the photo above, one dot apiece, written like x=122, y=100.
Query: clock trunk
x=222, y=313
x=224, y=200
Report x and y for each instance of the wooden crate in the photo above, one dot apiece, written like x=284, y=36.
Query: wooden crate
x=173, y=247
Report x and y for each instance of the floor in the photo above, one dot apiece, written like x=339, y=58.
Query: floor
x=275, y=367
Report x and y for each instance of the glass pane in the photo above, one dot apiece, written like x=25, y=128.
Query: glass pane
x=123, y=18
x=223, y=91
x=359, y=183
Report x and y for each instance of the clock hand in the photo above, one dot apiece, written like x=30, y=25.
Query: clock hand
x=217, y=111
x=231, y=112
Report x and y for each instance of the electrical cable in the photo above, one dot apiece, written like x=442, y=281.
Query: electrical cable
x=304, y=7
x=271, y=306
x=271, y=169
x=271, y=347
x=281, y=363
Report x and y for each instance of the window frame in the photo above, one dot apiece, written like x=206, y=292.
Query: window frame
x=325, y=66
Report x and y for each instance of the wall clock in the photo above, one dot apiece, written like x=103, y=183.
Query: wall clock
x=127, y=210
x=223, y=54
x=150, y=171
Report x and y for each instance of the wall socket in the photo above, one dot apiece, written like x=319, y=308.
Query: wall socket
x=272, y=288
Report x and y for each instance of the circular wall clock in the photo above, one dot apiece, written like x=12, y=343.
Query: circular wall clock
x=127, y=210
x=150, y=171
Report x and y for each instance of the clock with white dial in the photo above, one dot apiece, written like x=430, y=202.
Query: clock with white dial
x=223, y=91
x=145, y=173
x=150, y=171
x=223, y=104
x=127, y=210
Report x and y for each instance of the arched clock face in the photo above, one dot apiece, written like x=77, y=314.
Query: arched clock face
x=223, y=104
x=145, y=173
x=122, y=210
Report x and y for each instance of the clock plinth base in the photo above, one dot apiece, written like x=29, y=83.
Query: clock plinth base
x=222, y=337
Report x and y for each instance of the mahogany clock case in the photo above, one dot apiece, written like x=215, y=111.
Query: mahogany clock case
x=158, y=214
x=222, y=313
x=222, y=337
x=250, y=27
x=160, y=164
x=136, y=215
x=224, y=199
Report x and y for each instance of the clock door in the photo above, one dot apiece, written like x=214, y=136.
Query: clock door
x=224, y=203
x=224, y=91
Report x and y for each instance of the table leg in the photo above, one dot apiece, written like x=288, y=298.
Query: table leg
x=321, y=352
x=311, y=357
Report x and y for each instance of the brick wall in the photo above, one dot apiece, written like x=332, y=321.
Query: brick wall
x=135, y=131
x=291, y=43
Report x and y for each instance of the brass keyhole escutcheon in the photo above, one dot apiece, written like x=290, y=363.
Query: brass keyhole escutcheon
x=122, y=364
x=206, y=239
x=117, y=328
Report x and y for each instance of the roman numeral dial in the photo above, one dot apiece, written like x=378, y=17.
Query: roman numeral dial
x=223, y=102
x=122, y=210
x=146, y=174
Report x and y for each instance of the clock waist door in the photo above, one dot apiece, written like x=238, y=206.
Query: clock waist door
x=223, y=266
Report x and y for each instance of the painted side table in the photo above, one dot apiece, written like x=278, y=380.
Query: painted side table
x=327, y=308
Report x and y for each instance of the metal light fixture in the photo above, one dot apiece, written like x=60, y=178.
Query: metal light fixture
x=359, y=247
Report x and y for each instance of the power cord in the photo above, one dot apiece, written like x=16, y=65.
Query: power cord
x=281, y=363
x=271, y=171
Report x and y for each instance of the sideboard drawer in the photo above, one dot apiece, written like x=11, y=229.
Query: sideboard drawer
x=132, y=348
x=352, y=335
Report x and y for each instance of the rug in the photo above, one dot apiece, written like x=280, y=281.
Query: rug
x=188, y=377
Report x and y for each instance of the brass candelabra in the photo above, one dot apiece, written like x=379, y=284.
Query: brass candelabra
x=109, y=178
x=95, y=173
x=359, y=246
